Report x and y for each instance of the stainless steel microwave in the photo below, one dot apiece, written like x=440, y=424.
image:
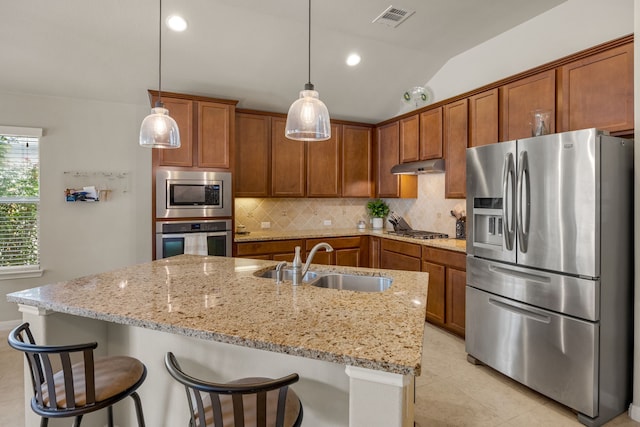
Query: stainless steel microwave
x=193, y=194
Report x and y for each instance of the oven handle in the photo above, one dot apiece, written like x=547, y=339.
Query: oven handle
x=206, y=233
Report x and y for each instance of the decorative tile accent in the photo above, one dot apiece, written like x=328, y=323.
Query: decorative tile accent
x=430, y=211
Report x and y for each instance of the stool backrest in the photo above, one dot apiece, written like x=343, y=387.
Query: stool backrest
x=45, y=360
x=263, y=400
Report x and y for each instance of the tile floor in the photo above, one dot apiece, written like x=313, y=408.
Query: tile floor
x=450, y=391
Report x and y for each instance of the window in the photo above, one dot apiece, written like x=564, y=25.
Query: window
x=19, y=202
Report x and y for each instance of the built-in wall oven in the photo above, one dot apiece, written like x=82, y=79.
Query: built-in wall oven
x=192, y=194
x=207, y=237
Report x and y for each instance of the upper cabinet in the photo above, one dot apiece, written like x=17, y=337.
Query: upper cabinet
x=597, y=91
x=253, y=155
x=456, y=136
x=287, y=162
x=431, y=134
x=357, y=161
x=206, y=128
x=323, y=165
x=520, y=98
x=410, y=139
x=483, y=118
x=388, y=155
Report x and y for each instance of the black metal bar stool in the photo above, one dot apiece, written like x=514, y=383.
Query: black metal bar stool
x=79, y=388
x=260, y=402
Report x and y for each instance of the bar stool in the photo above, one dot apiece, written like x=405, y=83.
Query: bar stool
x=79, y=388
x=259, y=402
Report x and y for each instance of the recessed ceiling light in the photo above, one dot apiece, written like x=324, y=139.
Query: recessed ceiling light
x=353, y=59
x=176, y=23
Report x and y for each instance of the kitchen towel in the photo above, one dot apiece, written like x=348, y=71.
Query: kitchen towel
x=196, y=244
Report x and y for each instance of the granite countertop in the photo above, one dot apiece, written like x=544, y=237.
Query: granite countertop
x=220, y=299
x=457, y=245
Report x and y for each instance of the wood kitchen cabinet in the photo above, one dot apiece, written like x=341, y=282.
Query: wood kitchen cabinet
x=597, y=91
x=374, y=251
x=455, y=146
x=431, y=134
x=253, y=155
x=447, y=282
x=277, y=250
x=323, y=165
x=387, y=156
x=483, y=118
x=520, y=98
x=357, y=161
x=347, y=251
x=207, y=128
x=288, y=174
x=398, y=255
x=410, y=139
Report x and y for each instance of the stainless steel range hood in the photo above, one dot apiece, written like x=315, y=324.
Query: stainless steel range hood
x=418, y=168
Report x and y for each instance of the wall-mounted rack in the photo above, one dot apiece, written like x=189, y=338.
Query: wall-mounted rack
x=95, y=186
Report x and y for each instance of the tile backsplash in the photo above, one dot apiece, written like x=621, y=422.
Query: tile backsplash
x=430, y=211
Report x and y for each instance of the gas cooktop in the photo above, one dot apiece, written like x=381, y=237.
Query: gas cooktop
x=419, y=234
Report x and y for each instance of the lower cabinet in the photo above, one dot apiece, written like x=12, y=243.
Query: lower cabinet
x=347, y=251
x=447, y=281
x=398, y=255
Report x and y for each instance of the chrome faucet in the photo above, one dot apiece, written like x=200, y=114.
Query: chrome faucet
x=298, y=270
x=279, y=267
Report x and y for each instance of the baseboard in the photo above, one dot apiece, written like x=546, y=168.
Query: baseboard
x=634, y=412
x=8, y=325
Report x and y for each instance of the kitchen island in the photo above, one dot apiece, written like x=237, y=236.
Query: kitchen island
x=357, y=353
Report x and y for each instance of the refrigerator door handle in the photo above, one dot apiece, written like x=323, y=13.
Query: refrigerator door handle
x=521, y=311
x=520, y=274
x=509, y=199
x=522, y=206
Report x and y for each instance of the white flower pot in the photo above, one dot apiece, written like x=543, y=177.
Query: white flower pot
x=378, y=223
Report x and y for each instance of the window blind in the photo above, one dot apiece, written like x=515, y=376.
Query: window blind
x=19, y=201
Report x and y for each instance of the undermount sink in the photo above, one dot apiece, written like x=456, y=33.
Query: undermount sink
x=350, y=282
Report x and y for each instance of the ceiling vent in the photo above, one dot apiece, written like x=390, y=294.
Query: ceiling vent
x=393, y=16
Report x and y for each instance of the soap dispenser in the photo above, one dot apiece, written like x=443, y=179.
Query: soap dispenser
x=297, y=267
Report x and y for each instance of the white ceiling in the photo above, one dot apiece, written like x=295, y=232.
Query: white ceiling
x=254, y=51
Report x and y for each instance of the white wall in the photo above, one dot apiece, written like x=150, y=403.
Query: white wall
x=568, y=28
x=83, y=238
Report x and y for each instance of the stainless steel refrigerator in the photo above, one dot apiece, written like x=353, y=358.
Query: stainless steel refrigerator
x=549, y=295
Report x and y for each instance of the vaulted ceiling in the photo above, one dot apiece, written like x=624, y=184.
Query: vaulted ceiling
x=254, y=51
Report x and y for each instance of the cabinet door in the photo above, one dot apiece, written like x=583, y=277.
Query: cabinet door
x=323, y=166
x=253, y=155
x=410, y=139
x=597, y=91
x=520, y=98
x=455, y=144
x=374, y=252
x=455, y=310
x=348, y=257
x=357, y=161
x=436, y=292
x=388, y=154
x=182, y=112
x=287, y=162
x=214, y=134
x=483, y=118
x=431, y=134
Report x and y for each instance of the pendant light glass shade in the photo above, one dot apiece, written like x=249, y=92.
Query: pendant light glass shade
x=308, y=118
x=159, y=130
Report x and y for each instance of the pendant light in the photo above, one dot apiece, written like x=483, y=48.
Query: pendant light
x=308, y=117
x=158, y=129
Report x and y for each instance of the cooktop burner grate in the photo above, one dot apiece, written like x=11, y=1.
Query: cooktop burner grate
x=419, y=234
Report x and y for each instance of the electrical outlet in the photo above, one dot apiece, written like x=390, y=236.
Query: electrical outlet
x=327, y=222
x=265, y=224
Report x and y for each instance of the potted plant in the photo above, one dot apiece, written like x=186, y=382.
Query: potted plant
x=378, y=209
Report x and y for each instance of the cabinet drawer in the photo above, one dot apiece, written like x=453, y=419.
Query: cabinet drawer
x=336, y=243
x=278, y=246
x=409, y=249
x=445, y=257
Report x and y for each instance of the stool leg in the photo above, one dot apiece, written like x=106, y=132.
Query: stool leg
x=44, y=422
x=139, y=413
x=77, y=421
x=110, y=416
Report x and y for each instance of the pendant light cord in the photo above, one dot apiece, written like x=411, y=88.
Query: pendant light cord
x=309, y=47
x=160, y=55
